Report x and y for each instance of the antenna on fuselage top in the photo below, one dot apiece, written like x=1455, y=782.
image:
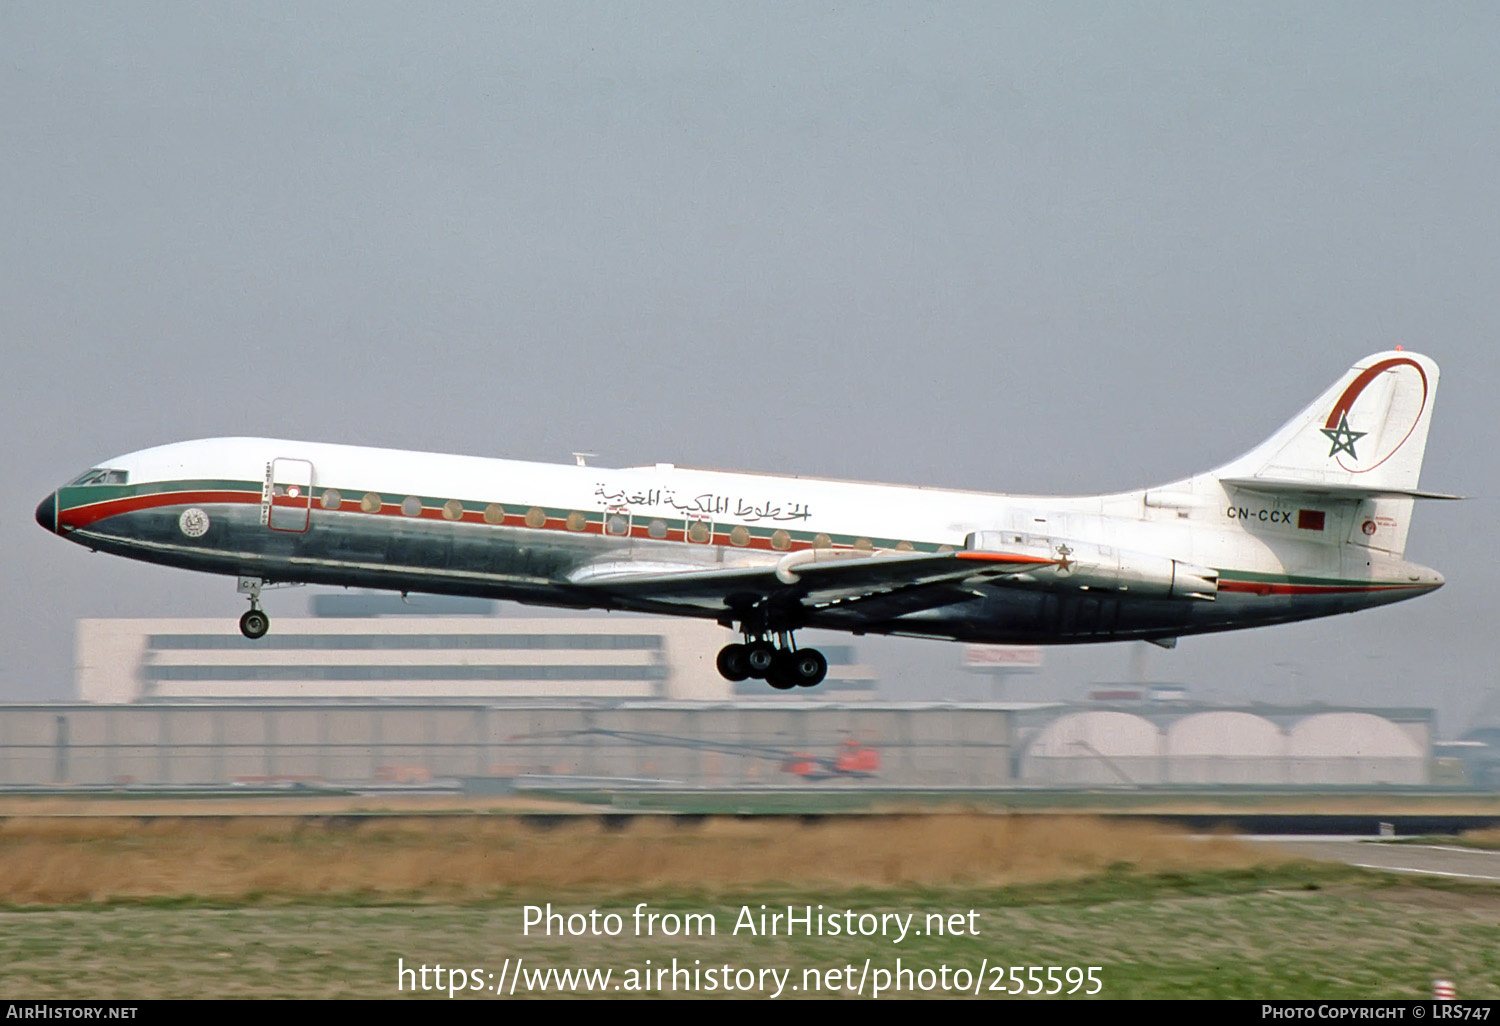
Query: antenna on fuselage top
x=582, y=458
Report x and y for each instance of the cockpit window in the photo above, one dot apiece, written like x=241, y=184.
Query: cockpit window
x=100, y=475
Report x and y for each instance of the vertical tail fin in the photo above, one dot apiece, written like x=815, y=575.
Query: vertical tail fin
x=1368, y=431
x=1356, y=451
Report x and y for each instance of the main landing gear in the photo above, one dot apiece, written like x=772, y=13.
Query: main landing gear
x=781, y=665
x=255, y=622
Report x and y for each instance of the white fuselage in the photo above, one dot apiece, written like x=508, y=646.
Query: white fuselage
x=283, y=510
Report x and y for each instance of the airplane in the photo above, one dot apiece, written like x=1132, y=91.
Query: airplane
x=1311, y=522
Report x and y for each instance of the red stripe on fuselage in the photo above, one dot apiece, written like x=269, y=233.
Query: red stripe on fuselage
x=81, y=516
x=1262, y=588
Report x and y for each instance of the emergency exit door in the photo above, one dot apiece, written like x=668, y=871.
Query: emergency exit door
x=286, y=498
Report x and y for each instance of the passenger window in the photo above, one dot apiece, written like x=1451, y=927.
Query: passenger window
x=781, y=540
x=535, y=517
x=577, y=521
x=698, y=532
x=822, y=541
x=657, y=528
x=740, y=536
x=453, y=510
x=411, y=506
x=494, y=513
x=332, y=499
x=617, y=525
x=370, y=503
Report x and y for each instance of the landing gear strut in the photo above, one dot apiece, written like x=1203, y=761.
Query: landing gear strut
x=781, y=664
x=255, y=622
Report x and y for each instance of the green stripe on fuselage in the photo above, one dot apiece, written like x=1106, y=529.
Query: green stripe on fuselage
x=1254, y=577
x=76, y=496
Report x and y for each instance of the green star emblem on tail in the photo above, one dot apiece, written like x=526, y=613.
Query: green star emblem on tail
x=1342, y=438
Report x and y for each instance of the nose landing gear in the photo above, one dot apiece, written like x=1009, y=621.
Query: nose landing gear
x=255, y=623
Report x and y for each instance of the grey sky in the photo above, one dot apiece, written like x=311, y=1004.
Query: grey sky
x=1005, y=247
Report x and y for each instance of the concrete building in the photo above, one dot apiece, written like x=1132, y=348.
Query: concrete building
x=427, y=658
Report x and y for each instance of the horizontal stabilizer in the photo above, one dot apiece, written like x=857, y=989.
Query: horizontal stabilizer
x=1328, y=490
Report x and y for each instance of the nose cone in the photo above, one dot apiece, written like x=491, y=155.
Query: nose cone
x=46, y=513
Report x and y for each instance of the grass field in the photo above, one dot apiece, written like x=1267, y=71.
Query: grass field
x=54, y=861
x=114, y=907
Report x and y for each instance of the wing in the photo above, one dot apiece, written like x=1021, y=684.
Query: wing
x=860, y=586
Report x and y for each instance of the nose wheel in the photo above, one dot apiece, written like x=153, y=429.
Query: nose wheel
x=255, y=622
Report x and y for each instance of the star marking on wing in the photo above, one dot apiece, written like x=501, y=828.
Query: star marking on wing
x=1342, y=438
x=1064, y=564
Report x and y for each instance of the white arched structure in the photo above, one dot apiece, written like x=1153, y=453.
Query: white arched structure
x=1354, y=748
x=1096, y=747
x=1225, y=747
